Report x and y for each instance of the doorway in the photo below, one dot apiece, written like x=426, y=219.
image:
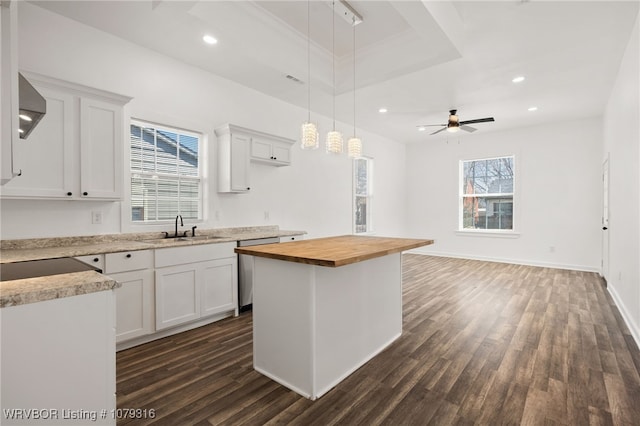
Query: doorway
x=605, y=219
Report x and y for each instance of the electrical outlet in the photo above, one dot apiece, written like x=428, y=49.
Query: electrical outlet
x=266, y=215
x=552, y=249
x=96, y=218
x=217, y=214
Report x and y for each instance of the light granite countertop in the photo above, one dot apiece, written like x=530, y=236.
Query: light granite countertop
x=31, y=290
x=40, y=289
x=49, y=248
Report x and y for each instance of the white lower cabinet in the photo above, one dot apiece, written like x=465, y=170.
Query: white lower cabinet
x=135, y=298
x=219, y=286
x=134, y=304
x=195, y=282
x=177, y=295
x=169, y=290
x=58, y=360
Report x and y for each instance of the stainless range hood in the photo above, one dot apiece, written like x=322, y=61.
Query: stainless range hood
x=32, y=106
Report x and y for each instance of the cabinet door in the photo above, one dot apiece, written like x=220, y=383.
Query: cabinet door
x=9, y=122
x=219, y=286
x=240, y=163
x=281, y=152
x=177, y=295
x=261, y=149
x=101, y=140
x=134, y=304
x=48, y=158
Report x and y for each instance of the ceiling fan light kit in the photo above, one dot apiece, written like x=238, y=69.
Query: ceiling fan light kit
x=454, y=124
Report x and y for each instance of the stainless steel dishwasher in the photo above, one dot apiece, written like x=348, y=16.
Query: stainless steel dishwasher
x=245, y=272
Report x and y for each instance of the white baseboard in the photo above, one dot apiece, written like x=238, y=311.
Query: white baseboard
x=633, y=327
x=508, y=260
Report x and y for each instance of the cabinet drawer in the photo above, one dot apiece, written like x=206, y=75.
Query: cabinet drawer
x=96, y=260
x=199, y=253
x=291, y=238
x=128, y=261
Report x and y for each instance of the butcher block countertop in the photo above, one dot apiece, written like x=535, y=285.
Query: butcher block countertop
x=334, y=251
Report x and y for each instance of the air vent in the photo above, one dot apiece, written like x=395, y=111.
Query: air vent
x=294, y=79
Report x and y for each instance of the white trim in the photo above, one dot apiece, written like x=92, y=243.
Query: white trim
x=515, y=194
x=583, y=268
x=626, y=316
x=488, y=234
x=370, y=193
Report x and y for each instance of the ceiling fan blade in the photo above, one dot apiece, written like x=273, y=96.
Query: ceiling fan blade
x=468, y=129
x=430, y=125
x=477, y=120
x=438, y=131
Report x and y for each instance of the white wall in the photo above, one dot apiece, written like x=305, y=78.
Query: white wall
x=622, y=143
x=314, y=194
x=557, y=194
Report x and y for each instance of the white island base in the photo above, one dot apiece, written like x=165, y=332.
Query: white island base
x=314, y=325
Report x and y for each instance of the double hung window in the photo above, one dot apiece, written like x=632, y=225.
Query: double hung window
x=362, y=195
x=166, y=176
x=486, y=194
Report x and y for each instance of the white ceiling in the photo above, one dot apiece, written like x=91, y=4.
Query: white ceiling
x=417, y=58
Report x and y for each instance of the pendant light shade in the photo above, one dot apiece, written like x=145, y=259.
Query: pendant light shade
x=334, y=142
x=354, y=147
x=334, y=138
x=309, y=137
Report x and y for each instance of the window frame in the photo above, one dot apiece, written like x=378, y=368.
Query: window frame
x=200, y=178
x=369, y=196
x=506, y=233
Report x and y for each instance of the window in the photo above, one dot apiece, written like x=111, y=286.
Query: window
x=486, y=194
x=362, y=194
x=165, y=173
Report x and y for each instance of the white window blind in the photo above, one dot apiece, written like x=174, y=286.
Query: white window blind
x=165, y=173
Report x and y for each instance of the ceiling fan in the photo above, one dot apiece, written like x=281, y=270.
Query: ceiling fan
x=454, y=124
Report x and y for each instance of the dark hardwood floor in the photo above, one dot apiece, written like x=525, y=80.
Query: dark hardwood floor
x=483, y=343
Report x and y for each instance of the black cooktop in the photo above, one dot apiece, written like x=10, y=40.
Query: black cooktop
x=41, y=268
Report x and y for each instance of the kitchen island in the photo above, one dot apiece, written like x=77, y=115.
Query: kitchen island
x=324, y=307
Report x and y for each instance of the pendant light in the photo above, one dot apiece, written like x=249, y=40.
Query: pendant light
x=334, y=138
x=354, y=145
x=310, y=139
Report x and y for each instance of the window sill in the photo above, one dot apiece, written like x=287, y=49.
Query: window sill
x=488, y=234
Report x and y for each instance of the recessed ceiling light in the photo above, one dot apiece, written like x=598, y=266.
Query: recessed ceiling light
x=209, y=39
x=533, y=108
x=382, y=110
x=518, y=79
x=422, y=129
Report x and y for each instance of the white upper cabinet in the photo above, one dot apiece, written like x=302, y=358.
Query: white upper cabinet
x=271, y=152
x=238, y=147
x=76, y=152
x=8, y=88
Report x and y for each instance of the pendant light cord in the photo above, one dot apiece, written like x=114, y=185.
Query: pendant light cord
x=309, y=60
x=333, y=57
x=354, y=77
